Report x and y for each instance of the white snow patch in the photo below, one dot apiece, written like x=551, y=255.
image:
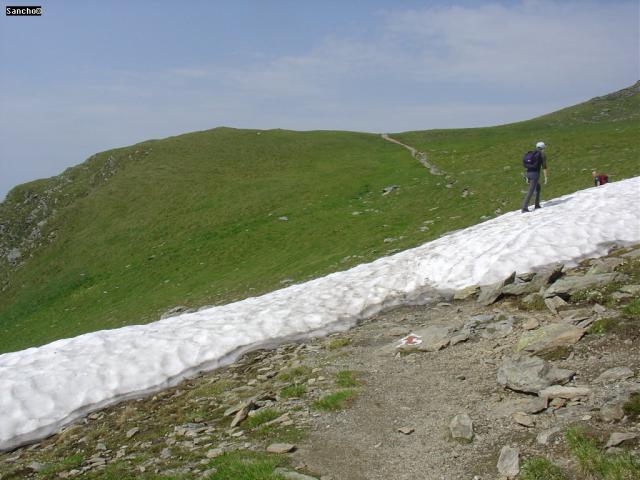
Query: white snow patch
x=42, y=389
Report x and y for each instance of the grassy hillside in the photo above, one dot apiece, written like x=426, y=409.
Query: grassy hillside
x=200, y=218
x=601, y=134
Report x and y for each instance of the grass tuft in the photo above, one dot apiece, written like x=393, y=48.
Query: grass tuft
x=541, y=469
x=632, y=309
x=593, y=461
x=299, y=373
x=296, y=390
x=262, y=416
x=346, y=379
x=246, y=465
x=533, y=303
x=338, y=343
x=632, y=407
x=335, y=401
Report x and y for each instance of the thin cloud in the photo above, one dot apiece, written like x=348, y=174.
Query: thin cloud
x=437, y=67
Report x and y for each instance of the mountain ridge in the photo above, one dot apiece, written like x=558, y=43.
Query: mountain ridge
x=238, y=191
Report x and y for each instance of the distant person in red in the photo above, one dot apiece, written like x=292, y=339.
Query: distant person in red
x=599, y=178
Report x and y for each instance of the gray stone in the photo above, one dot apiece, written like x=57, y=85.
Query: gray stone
x=507, y=408
x=214, y=452
x=612, y=411
x=617, y=296
x=554, y=303
x=498, y=329
x=604, y=265
x=14, y=255
x=534, y=405
x=466, y=292
x=615, y=374
x=431, y=339
x=175, y=311
x=509, y=462
x=397, y=331
x=208, y=473
x=476, y=320
x=520, y=288
x=526, y=277
x=549, y=337
x=490, y=293
x=461, y=427
x=539, y=280
x=236, y=408
x=530, y=374
x=578, y=317
x=544, y=437
x=461, y=336
x=567, y=393
x=243, y=413
x=568, y=285
x=132, y=432
x=390, y=189
x=531, y=299
x=631, y=289
x=281, y=448
x=36, y=466
x=523, y=419
x=618, y=438
x=406, y=430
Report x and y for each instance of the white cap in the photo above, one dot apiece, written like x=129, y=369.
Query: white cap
x=540, y=145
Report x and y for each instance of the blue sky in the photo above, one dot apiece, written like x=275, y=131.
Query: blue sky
x=91, y=75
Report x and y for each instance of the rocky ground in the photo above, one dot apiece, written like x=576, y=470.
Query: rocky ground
x=535, y=377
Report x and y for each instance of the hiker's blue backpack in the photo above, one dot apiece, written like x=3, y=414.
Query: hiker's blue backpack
x=531, y=160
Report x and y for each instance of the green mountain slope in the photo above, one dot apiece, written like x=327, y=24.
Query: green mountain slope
x=216, y=216
x=602, y=134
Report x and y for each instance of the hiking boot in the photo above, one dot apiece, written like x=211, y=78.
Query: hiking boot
x=537, y=207
x=525, y=210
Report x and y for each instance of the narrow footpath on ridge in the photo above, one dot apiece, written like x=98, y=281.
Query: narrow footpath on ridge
x=420, y=156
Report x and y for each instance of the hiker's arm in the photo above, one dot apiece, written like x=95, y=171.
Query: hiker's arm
x=544, y=168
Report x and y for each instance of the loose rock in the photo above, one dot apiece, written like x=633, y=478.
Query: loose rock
x=509, y=462
x=461, y=427
x=615, y=374
x=567, y=393
x=524, y=373
x=281, y=448
x=549, y=337
x=618, y=438
x=568, y=285
x=490, y=293
x=523, y=419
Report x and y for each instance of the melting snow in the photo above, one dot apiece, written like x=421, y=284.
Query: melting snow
x=45, y=388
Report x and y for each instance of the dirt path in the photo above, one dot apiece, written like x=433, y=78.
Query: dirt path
x=422, y=392
x=420, y=156
x=425, y=391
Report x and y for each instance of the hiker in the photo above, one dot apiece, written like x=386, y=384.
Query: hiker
x=599, y=178
x=534, y=161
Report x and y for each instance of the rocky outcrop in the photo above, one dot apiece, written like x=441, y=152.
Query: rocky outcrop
x=531, y=374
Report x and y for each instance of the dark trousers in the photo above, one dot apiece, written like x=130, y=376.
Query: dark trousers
x=534, y=185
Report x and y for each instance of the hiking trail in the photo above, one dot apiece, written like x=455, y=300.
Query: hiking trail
x=420, y=156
